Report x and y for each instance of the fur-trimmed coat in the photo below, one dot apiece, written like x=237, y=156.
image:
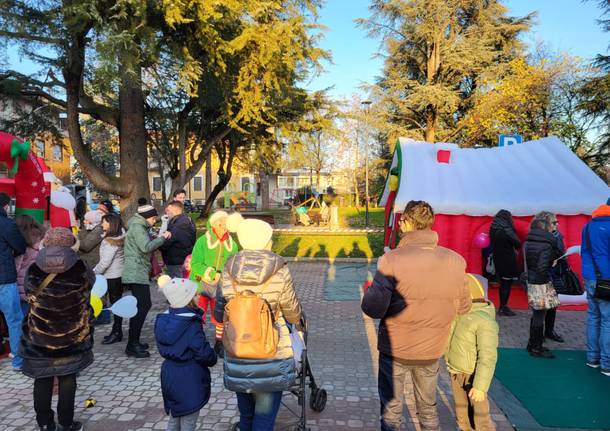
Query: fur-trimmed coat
x=112, y=258
x=57, y=336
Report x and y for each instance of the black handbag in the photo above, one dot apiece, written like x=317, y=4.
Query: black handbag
x=572, y=285
x=602, y=285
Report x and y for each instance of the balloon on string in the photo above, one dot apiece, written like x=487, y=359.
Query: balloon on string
x=100, y=287
x=482, y=240
x=96, y=304
x=126, y=307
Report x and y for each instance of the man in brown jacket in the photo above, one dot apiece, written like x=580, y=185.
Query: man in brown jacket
x=418, y=290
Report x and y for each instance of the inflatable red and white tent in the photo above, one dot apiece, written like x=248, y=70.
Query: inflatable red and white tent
x=468, y=186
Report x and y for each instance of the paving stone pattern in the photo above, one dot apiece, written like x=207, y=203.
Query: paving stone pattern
x=341, y=350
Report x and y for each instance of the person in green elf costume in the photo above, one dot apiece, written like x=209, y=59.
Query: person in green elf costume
x=210, y=253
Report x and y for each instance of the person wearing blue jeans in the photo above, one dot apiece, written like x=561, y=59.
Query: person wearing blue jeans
x=12, y=244
x=598, y=330
x=595, y=255
x=257, y=411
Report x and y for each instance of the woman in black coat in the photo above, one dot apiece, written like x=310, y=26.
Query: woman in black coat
x=57, y=337
x=541, y=251
x=504, y=246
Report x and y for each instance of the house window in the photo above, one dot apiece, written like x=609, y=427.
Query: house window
x=245, y=184
x=156, y=184
x=198, y=184
x=281, y=182
x=58, y=153
x=40, y=148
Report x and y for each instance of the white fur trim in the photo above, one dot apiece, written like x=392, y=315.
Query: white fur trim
x=206, y=274
x=211, y=245
x=229, y=244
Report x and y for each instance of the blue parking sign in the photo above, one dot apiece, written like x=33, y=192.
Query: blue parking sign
x=506, y=140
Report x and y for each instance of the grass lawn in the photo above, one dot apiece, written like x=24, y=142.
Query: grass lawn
x=331, y=246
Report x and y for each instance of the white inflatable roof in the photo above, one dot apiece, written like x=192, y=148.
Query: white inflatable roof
x=524, y=179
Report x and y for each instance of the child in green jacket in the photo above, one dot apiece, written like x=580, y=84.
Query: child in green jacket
x=210, y=253
x=471, y=360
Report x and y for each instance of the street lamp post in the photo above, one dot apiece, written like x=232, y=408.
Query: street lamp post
x=367, y=104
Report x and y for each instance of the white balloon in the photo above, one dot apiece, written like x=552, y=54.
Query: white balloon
x=100, y=287
x=572, y=250
x=126, y=307
x=63, y=199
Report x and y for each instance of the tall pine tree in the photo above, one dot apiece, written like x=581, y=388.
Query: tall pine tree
x=436, y=53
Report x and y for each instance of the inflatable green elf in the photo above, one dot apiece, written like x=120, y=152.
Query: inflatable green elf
x=210, y=253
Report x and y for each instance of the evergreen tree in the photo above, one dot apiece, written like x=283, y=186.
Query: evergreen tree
x=437, y=52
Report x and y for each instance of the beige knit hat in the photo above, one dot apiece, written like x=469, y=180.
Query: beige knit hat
x=254, y=234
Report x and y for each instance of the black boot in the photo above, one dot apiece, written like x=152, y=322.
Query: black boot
x=555, y=337
x=50, y=427
x=76, y=426
x=534, y=346
x=113, y=337
x=144, y=346
x=136, y=350
x=505, y=311
x=219, y=349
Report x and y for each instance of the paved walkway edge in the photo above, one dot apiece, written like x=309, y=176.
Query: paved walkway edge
x=331, y=259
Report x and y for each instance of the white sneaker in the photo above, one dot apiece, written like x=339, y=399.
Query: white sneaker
x=593, y=364
x=606, y=372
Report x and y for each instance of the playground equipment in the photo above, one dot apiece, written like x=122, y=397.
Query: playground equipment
x=307, y=217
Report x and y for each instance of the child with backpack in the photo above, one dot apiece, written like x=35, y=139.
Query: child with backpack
x=471, y=360
x=185, y=377
x=255, y=301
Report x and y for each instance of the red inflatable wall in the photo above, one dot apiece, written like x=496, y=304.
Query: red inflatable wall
x=457, y=232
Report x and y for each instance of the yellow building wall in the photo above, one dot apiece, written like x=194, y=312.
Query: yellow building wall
x=56, y=155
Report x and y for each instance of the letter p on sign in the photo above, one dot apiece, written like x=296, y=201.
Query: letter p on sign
x=506, y=140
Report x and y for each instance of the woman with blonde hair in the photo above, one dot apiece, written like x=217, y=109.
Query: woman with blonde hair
x=541, y=251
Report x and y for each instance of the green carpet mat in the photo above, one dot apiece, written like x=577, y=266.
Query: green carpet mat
x=343, y=281
x=560, y=392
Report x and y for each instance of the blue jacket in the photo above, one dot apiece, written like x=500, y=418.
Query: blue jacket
x=599, y=233
x=185, y=377
x=11, y=244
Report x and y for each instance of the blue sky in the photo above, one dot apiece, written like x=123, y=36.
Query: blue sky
x=564, y=25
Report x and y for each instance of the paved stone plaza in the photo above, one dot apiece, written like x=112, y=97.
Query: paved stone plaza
x=341, y=349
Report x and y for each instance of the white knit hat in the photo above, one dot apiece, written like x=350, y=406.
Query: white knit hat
x=217, y=216
x=178, y=291
x=254, y=234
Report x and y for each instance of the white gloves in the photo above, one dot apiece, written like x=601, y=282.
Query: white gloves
x=164, y=223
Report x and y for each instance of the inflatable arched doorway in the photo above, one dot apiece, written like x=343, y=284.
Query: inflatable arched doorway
x=30, y=188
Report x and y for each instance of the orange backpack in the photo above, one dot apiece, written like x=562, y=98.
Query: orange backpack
x=250, y=330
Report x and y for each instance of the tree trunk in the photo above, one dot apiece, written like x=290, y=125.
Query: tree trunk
x=208, y=174
x=432, y=66
x=224, y=176
x=132, y=140
x=73, y=74
x=264, y=181
x=430, y=125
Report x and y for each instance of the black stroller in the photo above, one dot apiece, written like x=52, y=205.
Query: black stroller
x=317, y=395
